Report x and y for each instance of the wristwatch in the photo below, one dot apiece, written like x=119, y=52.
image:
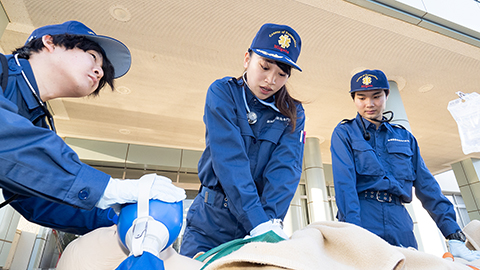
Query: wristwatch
x=459, y=235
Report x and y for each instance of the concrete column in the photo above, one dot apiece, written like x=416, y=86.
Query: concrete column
x=38, y=251
x=8, y=225
x=318, y=206
x=467, y=174
x=294, y=219
x=395, y=104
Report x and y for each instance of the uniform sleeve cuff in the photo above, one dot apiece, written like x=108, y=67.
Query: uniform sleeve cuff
x=253, y=218
x=88, y=187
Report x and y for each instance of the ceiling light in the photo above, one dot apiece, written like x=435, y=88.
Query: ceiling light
x=123, y=90
x=425, y=88
x=120, y=13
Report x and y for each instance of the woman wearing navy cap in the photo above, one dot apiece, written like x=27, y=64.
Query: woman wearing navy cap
x=254, y=138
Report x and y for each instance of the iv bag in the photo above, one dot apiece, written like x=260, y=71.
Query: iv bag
x=466, y=112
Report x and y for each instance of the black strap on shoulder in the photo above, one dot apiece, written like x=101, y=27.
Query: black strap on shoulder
x=4, y=77
x=398, y=126
x=346, y=120
x=9, y=200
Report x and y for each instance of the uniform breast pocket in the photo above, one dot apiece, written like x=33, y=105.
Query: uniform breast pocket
x=400, y=158
x=366, y=162
x=273, y=133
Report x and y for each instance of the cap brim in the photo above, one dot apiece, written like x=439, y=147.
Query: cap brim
x=369, y=89
x=273, y=55
x=118, y=54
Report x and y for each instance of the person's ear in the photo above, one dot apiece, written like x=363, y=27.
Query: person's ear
x=47, y=41
x=246, y=60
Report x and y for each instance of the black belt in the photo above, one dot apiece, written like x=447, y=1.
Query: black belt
x=381, y=196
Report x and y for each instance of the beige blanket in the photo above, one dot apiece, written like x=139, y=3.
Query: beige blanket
x=322, y=245
x=331, y=245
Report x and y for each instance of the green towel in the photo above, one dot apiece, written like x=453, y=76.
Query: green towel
x=229, y=247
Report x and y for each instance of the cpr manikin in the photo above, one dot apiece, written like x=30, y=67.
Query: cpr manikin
x=156, y=225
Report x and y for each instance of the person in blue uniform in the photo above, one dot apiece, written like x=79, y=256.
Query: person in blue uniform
x=375, y=165
x=252, y=163
x=41, y=177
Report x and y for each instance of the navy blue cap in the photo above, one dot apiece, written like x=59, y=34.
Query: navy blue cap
x=369, y=80
x=279, y=43
x=116, y=51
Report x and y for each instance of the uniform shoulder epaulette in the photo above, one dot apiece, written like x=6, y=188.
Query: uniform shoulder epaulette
x=346, y=120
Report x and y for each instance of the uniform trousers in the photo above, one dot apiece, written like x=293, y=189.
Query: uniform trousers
x=209, y=223
x=389, y=220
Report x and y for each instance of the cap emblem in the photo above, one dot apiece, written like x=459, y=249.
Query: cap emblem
x=367, y=80
x=284, y=41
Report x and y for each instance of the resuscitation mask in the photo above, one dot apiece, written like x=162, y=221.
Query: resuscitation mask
x=147, y=228
x=160, y=226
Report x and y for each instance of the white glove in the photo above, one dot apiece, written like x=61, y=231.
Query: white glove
x=270, y=225
x=126, y=191
x=458, y=249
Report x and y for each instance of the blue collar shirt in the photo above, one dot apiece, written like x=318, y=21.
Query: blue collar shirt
x=57, y=190
x=389, y=161
x=257, y=166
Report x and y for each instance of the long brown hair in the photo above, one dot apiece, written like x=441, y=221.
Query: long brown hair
x=287, y=105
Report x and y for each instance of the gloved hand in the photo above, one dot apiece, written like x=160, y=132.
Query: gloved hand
x=126, y=191
x=270, y=225
x=458, y=249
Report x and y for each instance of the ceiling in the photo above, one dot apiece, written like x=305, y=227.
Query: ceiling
x=180, y=47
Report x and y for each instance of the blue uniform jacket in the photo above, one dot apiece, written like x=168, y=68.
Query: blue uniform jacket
x=57, y=190
x=257, y=166
x=389, y=161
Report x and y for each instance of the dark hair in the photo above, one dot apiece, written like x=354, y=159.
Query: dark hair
x=70, y=42
x=387, y=91
x=286, y=104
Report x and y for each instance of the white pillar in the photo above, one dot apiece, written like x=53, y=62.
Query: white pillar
x=39, y=248
x=467, y=174
x=318, y=206
x=8, y=225
x=395, y=104
x=294, y=220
